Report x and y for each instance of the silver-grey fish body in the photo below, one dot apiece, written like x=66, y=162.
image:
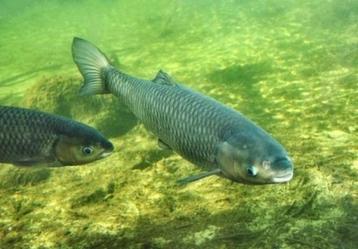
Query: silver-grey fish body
x=190, y=123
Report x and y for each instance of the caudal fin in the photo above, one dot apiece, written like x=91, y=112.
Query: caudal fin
x=91, y=62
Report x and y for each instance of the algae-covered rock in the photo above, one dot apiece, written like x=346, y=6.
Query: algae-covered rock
x=59, y=95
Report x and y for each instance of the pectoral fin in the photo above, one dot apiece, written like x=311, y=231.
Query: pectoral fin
x=36, y=162
x=199, y=176
x=24, y=164
x=163, y=145
x=27, y=162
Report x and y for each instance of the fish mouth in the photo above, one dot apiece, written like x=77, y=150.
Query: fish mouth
x=283, y=178
x=105, y=154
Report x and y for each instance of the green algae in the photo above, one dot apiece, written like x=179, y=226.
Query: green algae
x=99, y=195
x=291, y=66
x=13, y=178
x=59, y=95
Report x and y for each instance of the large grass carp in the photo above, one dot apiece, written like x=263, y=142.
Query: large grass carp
x=202, y=130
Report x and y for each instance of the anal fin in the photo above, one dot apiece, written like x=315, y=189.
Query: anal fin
x=199, y=176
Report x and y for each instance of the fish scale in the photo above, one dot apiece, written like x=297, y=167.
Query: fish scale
x=176, y=115
x=17, y=137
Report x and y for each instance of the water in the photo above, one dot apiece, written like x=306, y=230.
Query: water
x=291, y=66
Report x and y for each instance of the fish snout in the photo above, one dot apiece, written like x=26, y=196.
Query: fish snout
x=283, y=169
x=108, y=149
x=108, y=146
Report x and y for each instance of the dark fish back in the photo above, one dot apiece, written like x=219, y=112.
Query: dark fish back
x=25, y=134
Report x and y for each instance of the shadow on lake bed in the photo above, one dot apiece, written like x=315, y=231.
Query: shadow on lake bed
x=60, y=96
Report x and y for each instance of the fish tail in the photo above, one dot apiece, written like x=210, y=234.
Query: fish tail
x=92, y=64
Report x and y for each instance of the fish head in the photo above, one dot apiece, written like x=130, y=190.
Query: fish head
x=80, y=146
x=254, y=159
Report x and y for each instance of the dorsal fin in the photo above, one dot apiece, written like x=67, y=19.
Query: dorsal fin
x=163, y=78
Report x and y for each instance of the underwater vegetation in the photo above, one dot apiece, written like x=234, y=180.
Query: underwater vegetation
x=59, y=95
x=291, y=66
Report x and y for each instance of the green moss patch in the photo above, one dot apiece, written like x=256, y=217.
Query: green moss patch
x=59, y=95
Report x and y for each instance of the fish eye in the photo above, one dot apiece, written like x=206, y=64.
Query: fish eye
x=87, y=150
x=251, y=171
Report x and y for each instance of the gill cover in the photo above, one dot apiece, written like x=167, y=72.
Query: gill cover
x=228, y=158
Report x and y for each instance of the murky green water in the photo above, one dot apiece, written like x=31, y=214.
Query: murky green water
x=291, y=66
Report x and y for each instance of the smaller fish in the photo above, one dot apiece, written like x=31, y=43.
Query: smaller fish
x=29, y=138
